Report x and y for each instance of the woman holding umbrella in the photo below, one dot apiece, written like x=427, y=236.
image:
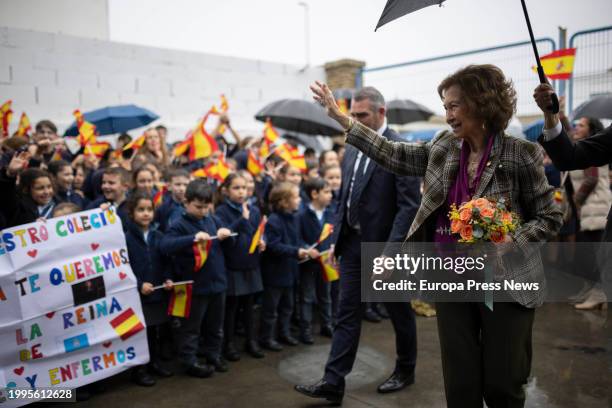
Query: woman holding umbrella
x=485, y=353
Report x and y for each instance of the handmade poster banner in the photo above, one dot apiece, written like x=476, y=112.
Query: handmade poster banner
x=70, y=312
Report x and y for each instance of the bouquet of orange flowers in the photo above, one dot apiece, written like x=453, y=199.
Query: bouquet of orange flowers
x=482, y=220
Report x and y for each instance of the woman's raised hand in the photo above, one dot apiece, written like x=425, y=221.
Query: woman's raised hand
x=324, y=96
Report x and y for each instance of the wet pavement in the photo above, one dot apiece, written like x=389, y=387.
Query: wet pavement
x=572, y=367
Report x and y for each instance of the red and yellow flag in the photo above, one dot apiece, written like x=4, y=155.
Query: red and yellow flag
x=57, y=154
x=326, y=231
x=87, y=130
x=202, y=144
x=270, y=134
x=182, y=148
x=343, y=105
x=24, y=126
x=158, y=198
x=257, y=236
x=94, y=148
x=127, y=324
x=291, y=155
x=136, y=143
x=558, y=64
x=330, y=273
x=218, y=171
x=200, y=254
x=180, y=300
x=254, y=166
x=6, y=114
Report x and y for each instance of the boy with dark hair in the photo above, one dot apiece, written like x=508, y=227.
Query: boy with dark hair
x=194, y=242
x=173, y=202
x=313, y=231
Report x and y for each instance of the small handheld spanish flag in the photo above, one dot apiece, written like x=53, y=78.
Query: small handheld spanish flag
x=257, y=236
x=6, y=114
x=330, y=273
x=180, y=300
x=254, y=166
x=327, y=230
x=24, y=126
x=158, y=198
x=200, y=254
x=136, y=143
x=127, y=324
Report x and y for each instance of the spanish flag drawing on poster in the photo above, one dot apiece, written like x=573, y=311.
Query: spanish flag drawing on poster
x=200, y=254
x=257, y=236
x=180, y=300
x=127, y=324
x=330, y=273
x=559, y=64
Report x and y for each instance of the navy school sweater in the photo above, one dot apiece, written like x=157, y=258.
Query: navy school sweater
x=280, y=260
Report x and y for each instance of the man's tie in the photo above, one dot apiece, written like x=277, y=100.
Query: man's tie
x=353, y=213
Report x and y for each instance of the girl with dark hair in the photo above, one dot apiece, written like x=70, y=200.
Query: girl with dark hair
x=64, y=180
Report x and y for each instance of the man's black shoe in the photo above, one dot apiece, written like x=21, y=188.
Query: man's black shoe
x=322, y=389
x=200, y=370
x=396, y=382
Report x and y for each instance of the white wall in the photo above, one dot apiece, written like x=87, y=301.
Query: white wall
x=49, y=75
x=83, y=18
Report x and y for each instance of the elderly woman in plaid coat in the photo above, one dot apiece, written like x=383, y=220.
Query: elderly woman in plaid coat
x=486, y=354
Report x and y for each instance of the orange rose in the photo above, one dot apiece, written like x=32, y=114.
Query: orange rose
x=466, y=232
x=466, y=214
x=487, y=212
x=456, y=226
x=482, y=203
x=506, y=217
x=497, y=236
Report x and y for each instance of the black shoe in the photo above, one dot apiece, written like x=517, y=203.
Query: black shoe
x=200, y=370
x=381, y=310
x=141, y=377
x=288, y=340
x=219, y=364
x=322, y=389
x=326, y=331
x=271, y=345
x=371, y=316
x=396, y=382
x=231, y=353
x=306, y=337
x=253, y=349
x=155, y=368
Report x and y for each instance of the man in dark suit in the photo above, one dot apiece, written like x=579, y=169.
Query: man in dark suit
x=593, y=151
x=374, y=206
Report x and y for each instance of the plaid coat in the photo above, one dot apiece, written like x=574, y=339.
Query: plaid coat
x=514, y=171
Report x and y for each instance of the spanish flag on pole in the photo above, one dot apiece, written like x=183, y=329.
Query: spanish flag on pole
x=343, y=105
x=200, y=254
x=257, y=236
x=270, y=134
x=127, y=324
x=24, y=126
x=218, y=171
x=87, y=130
x=223, y=107
x=136, y=143
x=182, y=148
x=180, y=300
x=327, y=230
x=330, y=273
x=158, y=198
x=559, y=64
x=6, y=114
x=202, y=144
x=254, y=166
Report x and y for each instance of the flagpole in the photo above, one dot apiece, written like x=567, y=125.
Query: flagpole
x=310, y=259
x=174, y=284
x=233, y=234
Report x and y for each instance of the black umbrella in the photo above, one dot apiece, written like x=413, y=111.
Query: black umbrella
x=300, y=116
x=397, y=8
x=401, y=111
x=599, y=107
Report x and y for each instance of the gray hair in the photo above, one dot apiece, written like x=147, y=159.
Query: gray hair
x=372, y=94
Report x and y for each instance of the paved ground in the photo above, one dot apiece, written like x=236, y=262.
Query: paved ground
x=572, y=367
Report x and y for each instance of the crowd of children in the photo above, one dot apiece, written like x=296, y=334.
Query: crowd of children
x=169, y=216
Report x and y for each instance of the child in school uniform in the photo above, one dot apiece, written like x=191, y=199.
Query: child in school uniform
x=312, y=220
x=172, y=207
x=150, y=269
x=203, y=263
x=243, y=272
x=280, y=265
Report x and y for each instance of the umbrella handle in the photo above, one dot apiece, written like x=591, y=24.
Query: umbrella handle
x=554, y=107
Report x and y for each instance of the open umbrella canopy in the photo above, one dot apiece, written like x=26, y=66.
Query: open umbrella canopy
x=115, y=119
x=300, y=116
x=424, y=135
x=394, y=9
x=599, y=107
x=400, y=111
x=533, y=130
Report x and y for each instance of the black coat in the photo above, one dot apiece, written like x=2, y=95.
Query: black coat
x=279, y=265
x=387, y=205
x=594, y=151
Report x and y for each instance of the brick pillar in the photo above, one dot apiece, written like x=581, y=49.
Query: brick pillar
x=342, y=73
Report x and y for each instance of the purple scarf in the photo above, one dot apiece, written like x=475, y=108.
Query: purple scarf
x=460, y=191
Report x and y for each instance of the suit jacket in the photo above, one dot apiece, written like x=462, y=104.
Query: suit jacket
x=514, y=172
x=387, y=205
x=593, y=151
